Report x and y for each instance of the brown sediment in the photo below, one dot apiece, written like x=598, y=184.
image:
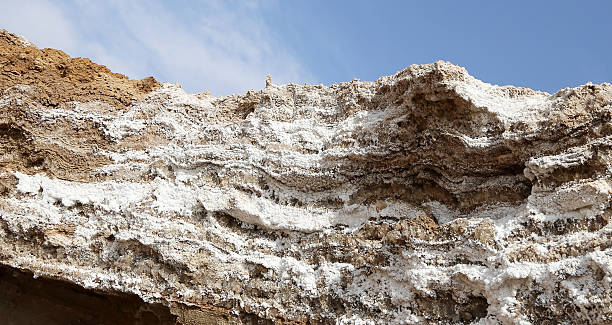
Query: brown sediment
x=59, y=79
x=32, y=77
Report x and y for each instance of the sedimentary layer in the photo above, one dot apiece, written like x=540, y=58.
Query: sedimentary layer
x=427, y=196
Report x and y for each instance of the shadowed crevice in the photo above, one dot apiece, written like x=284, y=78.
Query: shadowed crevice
x=26, y=300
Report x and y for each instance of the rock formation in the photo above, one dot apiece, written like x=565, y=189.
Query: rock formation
x=423, y=197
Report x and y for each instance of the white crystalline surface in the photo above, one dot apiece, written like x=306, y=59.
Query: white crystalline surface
x=423, y=197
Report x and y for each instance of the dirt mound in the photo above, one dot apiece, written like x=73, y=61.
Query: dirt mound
x=61, y=79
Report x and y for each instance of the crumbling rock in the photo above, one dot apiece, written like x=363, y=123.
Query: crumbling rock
x=423, y=197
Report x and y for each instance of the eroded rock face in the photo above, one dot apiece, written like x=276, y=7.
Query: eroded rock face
x=423, y=197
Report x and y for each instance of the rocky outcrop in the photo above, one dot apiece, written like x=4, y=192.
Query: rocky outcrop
x=423, y=197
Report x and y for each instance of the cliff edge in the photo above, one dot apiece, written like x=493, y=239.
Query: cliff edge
x=427, y=196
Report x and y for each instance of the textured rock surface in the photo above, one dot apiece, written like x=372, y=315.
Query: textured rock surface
x=423, y=197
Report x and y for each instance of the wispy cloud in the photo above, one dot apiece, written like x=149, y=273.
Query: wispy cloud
x=40, y=21
x=222, y=46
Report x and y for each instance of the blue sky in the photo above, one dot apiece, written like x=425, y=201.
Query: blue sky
x=230, y=46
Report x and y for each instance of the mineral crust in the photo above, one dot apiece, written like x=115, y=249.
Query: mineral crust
x=425, y=197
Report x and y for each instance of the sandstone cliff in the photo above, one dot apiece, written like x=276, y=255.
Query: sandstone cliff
x=423, y=197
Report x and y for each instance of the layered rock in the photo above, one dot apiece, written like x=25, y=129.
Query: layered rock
x=423, y=197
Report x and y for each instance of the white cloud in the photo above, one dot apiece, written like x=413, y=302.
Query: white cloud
x=41, y=23
x=221, y=46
